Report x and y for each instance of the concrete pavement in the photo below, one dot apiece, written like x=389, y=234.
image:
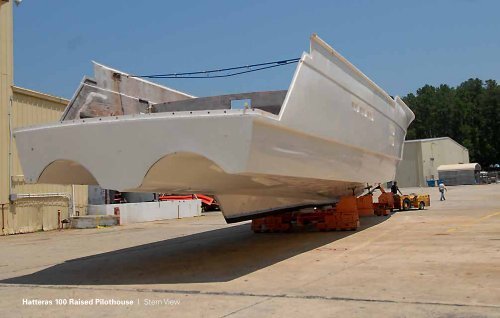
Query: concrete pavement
x=444, y=261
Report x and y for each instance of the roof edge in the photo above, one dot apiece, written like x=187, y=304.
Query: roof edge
x=435, y=139
x=460, y=166
x=32, y=93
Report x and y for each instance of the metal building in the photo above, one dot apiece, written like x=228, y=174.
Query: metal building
x=458, y=174
x=27, y=207
x=422, y=157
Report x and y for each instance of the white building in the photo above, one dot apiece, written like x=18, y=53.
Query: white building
x=422, y=157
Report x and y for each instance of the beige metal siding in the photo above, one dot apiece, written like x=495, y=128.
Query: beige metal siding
x=29, y=110
x=441, y=152
x=6, y=76
x=421, y=159
x=33, y=214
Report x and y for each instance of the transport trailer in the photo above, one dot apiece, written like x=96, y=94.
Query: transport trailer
x=342, y=216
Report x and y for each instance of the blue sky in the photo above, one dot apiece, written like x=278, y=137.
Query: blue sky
x=401, y=45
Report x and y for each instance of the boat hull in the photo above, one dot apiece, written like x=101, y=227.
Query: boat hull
x=334, y=132
x=250, y=162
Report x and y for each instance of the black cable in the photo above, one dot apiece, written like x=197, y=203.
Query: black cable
x=266, y=65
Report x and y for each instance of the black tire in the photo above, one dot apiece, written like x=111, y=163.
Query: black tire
x=421, y=205
x=406, y=204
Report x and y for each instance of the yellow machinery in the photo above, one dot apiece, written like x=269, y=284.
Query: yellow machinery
x=407, y=201
x=387, y=201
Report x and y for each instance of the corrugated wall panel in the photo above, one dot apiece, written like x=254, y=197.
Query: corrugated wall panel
x=33, y=214
x=30, y=110
x=6, y=77
x=441, y=152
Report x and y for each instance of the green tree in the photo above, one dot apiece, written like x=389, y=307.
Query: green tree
x=468, y=113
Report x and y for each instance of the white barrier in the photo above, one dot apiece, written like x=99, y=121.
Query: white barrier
x=149, y=211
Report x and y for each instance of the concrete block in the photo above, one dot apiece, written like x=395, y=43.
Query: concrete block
x=92, y=221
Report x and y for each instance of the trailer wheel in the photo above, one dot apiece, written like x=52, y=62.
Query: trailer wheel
x=406, y=204
x=421, y=205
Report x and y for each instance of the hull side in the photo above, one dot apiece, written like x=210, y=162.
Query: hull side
x=329, y=98
x=250, y=162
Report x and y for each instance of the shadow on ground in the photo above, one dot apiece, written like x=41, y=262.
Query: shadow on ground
x=213, y=256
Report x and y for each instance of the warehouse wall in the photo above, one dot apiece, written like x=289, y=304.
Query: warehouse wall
x=33, y=108
x=33, y=214
x=408, y=173
x=441, y=152
x=422, y=157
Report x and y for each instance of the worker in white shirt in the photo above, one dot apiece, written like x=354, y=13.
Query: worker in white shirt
x=442, y=189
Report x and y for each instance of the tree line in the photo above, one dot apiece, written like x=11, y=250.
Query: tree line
x=468, y=113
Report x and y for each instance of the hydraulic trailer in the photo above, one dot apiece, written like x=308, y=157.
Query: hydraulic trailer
x=344, y=216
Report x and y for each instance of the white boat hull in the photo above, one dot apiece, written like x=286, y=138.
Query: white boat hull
x=335, y=131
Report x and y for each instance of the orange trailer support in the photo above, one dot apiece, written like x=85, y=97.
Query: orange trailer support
x=344, y=216
x=365, y=205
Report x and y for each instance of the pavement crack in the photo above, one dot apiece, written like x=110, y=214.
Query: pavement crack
x=246, y=307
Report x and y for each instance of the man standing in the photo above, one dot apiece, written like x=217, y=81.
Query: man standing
x=442, y=189
x=395, y=189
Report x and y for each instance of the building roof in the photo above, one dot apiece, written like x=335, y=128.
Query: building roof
x=435, y=139
x=460, y=166
x=428, y=139
x=28, y=92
